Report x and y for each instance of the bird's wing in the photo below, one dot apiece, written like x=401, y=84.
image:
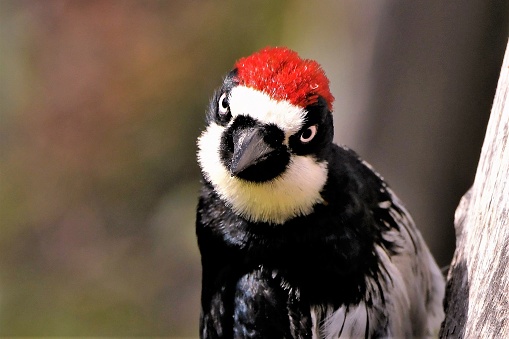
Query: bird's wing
x=403, y=299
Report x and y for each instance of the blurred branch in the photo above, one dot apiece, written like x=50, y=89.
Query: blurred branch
x=477, y=299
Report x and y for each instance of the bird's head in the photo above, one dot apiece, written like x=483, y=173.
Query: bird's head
x=269, y=131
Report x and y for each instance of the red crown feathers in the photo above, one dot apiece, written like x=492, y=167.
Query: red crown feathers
x=282, y=74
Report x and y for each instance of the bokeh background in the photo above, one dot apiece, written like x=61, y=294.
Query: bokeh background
x=101, y=103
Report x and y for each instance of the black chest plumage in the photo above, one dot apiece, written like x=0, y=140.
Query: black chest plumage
x=260, y=280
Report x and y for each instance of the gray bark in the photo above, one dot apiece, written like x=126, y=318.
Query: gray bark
x=477, y=297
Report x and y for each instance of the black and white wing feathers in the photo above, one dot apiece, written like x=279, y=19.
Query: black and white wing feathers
x=403, y=297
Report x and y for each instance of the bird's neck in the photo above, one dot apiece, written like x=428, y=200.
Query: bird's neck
x=294, y=193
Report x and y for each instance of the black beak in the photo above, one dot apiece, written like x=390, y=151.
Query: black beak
x=249, y=150
x=257, y=152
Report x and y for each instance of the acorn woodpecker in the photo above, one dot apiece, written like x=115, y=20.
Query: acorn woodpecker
x=299, y=237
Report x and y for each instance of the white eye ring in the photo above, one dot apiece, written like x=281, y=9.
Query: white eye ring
x=308, y=134
x=223, y=104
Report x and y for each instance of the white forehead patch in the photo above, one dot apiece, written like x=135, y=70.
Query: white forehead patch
x=292, y=194
x=260, y=106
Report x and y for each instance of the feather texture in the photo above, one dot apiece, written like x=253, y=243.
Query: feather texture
x=310, y=242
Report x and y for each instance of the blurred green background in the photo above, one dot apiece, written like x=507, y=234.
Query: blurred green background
x=101, y=103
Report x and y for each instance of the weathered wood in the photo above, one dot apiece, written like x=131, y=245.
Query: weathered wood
x=477, y=297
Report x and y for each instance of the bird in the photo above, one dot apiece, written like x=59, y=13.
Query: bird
x=299, y=237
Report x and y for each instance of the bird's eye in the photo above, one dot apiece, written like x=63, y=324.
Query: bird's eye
x=308, y=134
x=223, y=104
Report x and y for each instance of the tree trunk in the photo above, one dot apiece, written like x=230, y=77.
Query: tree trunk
x=477, y=297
